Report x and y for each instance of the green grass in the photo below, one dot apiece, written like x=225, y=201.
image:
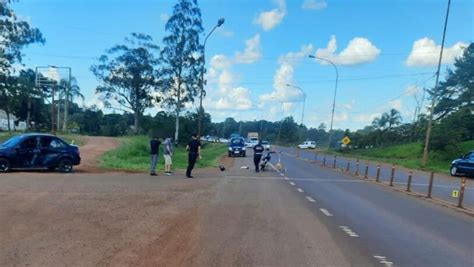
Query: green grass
x=410, y=155
x=78, y=141
x=134, y=155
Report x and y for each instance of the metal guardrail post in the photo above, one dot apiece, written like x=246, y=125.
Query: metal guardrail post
x=357, y=168
x=366, y=174
x=348, y=166
x=430, y=186
x=377, y=179
x=461, y=192
x=410, y=175
x=392, y=175
x=324, y=160
x=334, y=163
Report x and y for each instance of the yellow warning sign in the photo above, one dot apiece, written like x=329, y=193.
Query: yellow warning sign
x=346, y=140
x=455, y=193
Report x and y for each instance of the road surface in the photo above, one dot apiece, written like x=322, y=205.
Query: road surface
x=311, y=217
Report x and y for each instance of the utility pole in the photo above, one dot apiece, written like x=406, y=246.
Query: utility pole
x=433, y=101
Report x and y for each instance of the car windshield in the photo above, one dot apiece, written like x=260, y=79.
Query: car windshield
x=12, y=141
x=237, y=142
x=264, y=142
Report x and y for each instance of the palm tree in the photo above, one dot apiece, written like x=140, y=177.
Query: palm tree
x=68, y=94
x=394, y=118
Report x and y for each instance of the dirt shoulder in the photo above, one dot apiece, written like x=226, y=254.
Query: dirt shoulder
x=94, y=147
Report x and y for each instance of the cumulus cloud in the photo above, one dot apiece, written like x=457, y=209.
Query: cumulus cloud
x=225, y=33
x=314, y=4
x=252, y=52
x=412, y=90
x=269, y=19
x=94, y=101
x=235, y=99
x=284, y=76
x=425, y=53
x=358, y=51
x=220, y=62
x=396, y=104
x=164, y=17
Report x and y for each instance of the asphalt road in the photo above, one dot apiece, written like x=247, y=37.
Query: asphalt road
x=443, y=185
x=406, y=230
x=311, y=217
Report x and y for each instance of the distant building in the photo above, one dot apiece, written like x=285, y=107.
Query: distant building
x=15, y=125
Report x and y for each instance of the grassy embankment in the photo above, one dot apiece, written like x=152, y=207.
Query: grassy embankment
x=409, y=156
x=66, y=137
x=134, y=155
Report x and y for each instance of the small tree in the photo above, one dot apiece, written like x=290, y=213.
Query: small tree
x=128, y=77
x=182, y=58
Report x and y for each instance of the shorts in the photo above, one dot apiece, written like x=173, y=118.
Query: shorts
x=168, y=160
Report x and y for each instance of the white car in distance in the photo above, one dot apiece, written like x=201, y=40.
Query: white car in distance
x=307, y=145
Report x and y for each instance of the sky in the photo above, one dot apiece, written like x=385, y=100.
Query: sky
x=385, y=51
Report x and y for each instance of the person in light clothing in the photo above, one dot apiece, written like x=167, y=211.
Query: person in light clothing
x=168, y=154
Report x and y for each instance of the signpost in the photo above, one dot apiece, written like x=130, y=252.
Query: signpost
x=346, y=140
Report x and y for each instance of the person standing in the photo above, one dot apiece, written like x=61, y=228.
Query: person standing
x=168, y=154
x=154, y=147
x=194, y=151
x=257, y=155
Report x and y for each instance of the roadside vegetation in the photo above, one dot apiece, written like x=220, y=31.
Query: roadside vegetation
x=409, y=156
x=134, y=155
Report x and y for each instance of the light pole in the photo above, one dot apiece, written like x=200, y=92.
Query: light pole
x=304, y=104
x=430, y=120
x=219, y=23
x=335, y=93
x=281, y=121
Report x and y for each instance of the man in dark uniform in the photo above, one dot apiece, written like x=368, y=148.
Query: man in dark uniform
x=257, y=155
x=154, y=147
x=194, y=151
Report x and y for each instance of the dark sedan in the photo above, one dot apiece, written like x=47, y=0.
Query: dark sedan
x=463, y=165
x=38, y=151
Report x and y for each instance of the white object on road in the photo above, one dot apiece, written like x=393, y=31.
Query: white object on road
x=307, y=144
x=244, y=167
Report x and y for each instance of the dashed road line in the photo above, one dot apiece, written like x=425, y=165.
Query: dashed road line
x=348, y=231
x=326, y=212
x=286, y=178
x=293, y=184
x=383, y=260
x=300, y=190
x=310, y=199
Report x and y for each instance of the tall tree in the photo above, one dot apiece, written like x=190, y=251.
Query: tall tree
x=68, y=93
x=457, y=92
x=182, y=57
x=28, y=91
x=394, y=118
x=128, y=77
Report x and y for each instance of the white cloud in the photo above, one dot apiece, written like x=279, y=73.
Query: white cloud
x=95, y=101
x=164, y=17
x=252, y=52
x=366, y=118
x=314, y=4
x=234, y=99
x=396, y=104
x=269, y=19
x=284, y=76
x=358, y=51
x=412, y=90
x=225, y=33
x=425, y=53
x=220, y=62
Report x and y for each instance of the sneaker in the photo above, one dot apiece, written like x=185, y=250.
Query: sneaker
x=189, y=176
x=153, y=174
x=168, y=173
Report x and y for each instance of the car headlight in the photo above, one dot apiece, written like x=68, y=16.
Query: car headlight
x=230, y=148
x=454, y=162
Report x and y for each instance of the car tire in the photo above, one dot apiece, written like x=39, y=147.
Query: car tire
x=243, y=155
x=65, y=166
x=453, y=171
x=4, y=165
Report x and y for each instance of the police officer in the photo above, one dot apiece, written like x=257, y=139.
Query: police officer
x=194, y=152
x=257, y=155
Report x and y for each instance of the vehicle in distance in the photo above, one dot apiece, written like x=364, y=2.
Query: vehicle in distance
x=38, y=151
x=266, y=145
x=252, y=139
x=463, y=165
x=237, y=147
x=307, y=145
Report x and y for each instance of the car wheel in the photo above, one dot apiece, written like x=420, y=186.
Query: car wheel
x=4, y=165
x=454, y=171
x=65, y=166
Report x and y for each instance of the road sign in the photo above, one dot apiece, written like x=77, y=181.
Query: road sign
x=346, y=140
x=455, y=193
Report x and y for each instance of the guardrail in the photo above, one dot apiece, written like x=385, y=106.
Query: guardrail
x=426, y=184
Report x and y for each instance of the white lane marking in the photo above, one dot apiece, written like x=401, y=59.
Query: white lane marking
x=348, y=231
x=326, y=212
x=293, y=184
x=310, y=199
x=295, y=179
x=300, y=190
x=286, y=178
x=383, y=260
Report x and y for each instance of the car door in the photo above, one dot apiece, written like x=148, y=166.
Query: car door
x=51, y=150
x=26, y=153
x=469, y=164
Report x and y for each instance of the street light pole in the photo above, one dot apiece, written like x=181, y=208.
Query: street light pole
x=430, y=120
x=219, y=23
x=335, y=94
x=281, y=121
x=304, y=104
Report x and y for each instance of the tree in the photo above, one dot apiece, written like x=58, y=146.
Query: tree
x=68, y=93
x=457, y=92
x=28, y=92
x=182, y=57
x=393, y=118
x=128, y=77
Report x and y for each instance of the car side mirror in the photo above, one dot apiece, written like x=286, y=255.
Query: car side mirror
x=461, y=157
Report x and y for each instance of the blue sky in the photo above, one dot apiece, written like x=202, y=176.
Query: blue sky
x=386, y=51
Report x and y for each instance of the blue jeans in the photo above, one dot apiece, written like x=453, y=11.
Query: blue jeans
x=154, y=161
